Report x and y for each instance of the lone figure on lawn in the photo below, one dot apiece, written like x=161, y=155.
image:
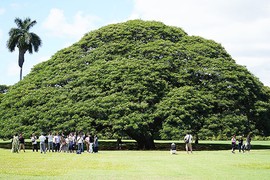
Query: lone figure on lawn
x=188, y=141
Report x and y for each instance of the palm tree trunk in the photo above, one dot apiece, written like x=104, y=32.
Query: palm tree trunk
x=21, y=61
x=20, y=73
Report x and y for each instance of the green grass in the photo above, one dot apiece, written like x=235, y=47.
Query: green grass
x=136, y=165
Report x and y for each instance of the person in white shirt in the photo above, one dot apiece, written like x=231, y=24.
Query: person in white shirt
x=57, y=142
x=233, y=143
x=71, y=140
x=42, y=139
x=50, y=142
x=34, y=142
x=87, y=142
x=91, y=143
x=188, y=141
x=80, y=142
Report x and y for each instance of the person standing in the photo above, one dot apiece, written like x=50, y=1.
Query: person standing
x=80, y=142
x=71, y=142
x=248, y=142
x=240, y=143
x=50, y=142
x=95, y=144
x=233, y=143
x=15, y=144
x=91, y=143
x=57, y=142
x=188, y=141
x=34, y=143
x=42, y=139
x=87, y=142
x=63, y=144
x=22, y=143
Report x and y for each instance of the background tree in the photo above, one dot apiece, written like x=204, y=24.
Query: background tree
x=143, y=80
x=3, y=91
x=24, y=40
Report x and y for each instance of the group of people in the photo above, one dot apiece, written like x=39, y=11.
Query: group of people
x=75, y=143
x=188, y=144
x=72, y=142
x=242, y=147
x=18, y=143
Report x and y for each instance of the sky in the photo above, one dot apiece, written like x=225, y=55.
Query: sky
x=242, y=27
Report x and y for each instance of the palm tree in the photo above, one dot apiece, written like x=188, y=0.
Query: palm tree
x=23, y=39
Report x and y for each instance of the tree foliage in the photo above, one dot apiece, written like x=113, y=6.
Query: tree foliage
x=140, y=79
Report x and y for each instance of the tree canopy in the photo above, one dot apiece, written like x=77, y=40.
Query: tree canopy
x=139, y=79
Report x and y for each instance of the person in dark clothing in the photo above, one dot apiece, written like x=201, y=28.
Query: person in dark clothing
x=34, y=143
x=95, y=144
x=91, y=143
x=240, y=143
x=22, y=143
x=119, y=143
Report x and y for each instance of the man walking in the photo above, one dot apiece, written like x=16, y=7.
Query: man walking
x=188, y=141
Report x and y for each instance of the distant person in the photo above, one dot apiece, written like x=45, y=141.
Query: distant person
x=188, y=141
x=248, y=142
x=71, y=142
x=95, y=144
x=50, y=142
x=119, y=143
x=42, y=139
x=240, y=143
x=22, y=143
x=15, y=144
x=87, y=142
x=233, y=140
x=83, y=138
x=34, y=143
x=91, y=143
x=173, y=148
x=57, y=142
x=79, y=142
x=63, y=144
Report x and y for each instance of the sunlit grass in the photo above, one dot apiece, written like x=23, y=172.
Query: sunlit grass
x=136, y=165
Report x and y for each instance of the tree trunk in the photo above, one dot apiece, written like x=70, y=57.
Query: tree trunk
x=21, y=61
x=146, y=142
x=21, y=74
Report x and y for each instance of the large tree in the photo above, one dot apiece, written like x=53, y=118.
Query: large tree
x=23, y=39
x=140, y=79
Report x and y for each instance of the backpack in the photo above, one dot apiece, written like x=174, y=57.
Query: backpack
x=187, y=140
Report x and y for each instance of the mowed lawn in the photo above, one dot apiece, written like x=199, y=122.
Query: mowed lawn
x=136, y=165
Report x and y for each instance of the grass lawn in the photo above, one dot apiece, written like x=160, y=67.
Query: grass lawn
x=136, y=165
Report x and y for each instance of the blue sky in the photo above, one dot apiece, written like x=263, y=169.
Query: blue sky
x=241, y=26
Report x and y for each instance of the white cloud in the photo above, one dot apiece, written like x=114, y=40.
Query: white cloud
x=58, y=25
x=241, y=26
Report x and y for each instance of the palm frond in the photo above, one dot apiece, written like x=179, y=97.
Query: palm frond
x=35, y=41
x=30, y=24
